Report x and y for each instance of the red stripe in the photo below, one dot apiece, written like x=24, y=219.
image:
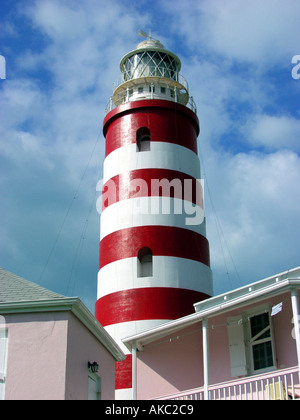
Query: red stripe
x=167, y=121
x=123, y=378
x=146, y=303
x=143, y=182
x=162, y=240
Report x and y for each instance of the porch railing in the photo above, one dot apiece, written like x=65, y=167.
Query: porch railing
x=282, y=384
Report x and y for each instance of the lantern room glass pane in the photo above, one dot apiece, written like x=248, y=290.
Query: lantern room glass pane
x=150, y=63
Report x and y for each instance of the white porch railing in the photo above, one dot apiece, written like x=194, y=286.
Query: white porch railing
x=282, y=384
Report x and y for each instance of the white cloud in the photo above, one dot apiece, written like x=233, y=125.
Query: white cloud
x=274, y=132
x=62, y=22
x=52, y=115
x=260, y=32
x=52, y=108
x=255, y=201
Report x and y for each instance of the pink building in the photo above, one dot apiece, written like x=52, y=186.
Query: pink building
x=48, y=346
x=243, y=344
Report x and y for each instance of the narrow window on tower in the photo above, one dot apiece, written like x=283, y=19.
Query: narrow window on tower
x=143, y=139
x=145, y=262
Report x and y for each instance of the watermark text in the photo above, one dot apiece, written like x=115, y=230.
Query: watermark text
x=296, y=68
x=2, y=67
x=161, y=196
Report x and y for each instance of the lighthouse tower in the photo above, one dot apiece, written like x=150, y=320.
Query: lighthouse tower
x=154, y=255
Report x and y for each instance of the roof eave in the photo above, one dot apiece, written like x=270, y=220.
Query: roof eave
x=170, y=327
x=72, y=304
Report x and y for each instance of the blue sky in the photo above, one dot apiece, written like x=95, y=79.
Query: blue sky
x=62, y=58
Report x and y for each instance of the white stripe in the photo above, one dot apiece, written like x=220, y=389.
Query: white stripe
x=167, y=272
x=162, y=155
x=126, y=329
x=123, y=394
x=144, y=211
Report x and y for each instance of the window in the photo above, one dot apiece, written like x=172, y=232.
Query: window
x=163, y=89
x=260, y=342
x=140, y=89
x=251, y=342
x=143, y=139
x=145, y=262
x=94, y=387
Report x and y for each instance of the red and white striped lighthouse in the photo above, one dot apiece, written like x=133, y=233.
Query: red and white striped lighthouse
x=154, y=255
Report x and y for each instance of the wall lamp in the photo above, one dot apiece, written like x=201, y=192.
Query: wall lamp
x=93, y=367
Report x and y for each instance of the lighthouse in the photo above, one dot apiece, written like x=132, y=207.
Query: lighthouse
x=154, y=254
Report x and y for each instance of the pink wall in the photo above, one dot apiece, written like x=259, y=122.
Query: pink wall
x=84, y=347
x=36, y=360
x=48, y=355
x=165, y=367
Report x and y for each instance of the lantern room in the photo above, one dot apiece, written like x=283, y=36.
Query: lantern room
x=150, y=72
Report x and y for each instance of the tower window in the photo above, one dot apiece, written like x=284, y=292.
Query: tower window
x=143, y=139
x=163, y=89
x=145, y=262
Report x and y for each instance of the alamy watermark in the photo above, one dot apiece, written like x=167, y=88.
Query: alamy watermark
x=296, y=68
x=175, y=196
x=2, y=67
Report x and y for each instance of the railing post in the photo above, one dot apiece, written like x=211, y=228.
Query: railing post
x=296, y=319
x=205, y=341
x=134, y=371
x=152, y=90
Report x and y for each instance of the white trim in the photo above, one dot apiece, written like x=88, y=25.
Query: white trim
x=296, y=319
x=123, y=329
x=211, y=310
x=67, y=304
x=161, y=155
x=134, y=372
x=249, y=341
x=3, y=359
x=205, y=345
x=252, y=290
x=167, y=272
x=144, y=211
